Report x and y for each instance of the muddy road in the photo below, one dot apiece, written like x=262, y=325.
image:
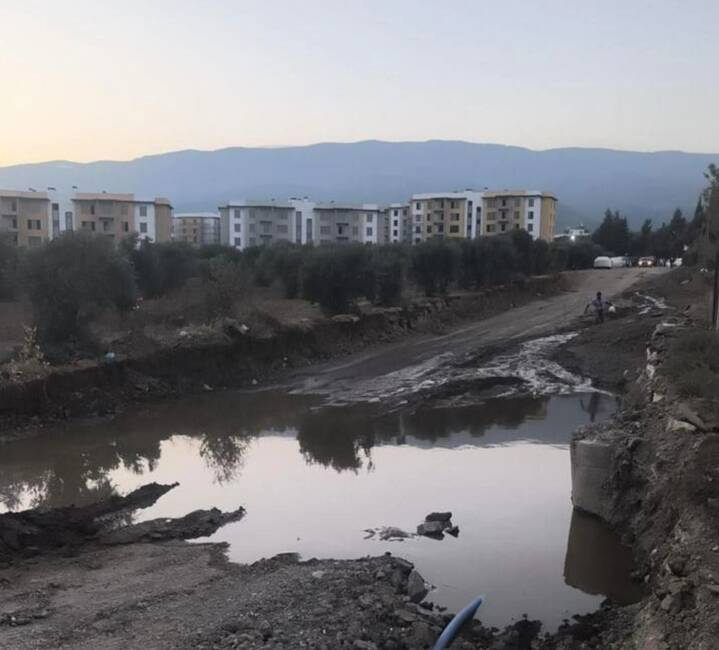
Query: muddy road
x=381, y=371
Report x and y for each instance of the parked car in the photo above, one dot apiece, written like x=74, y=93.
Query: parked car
x=647, y=261
x=677, y=261
x=603, y=262
x=620, y=262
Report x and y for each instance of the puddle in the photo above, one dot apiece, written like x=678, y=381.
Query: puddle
x=313, y=479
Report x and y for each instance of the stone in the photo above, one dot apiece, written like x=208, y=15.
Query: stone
x=421, y=636
x=430, y=528
x=391, y=532
x=405, y=616
x=453, y=531
x=364, y=645
x=679, y=425
x=416, y=588
x=444, y=517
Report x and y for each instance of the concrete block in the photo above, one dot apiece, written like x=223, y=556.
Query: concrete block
x=591, y=470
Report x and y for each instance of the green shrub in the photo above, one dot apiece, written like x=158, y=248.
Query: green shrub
x=160, y=268
x=388, y=263
x=692, y=364
x=433, y=266
x=335, y=276
x=8, y=268
x=70, y=280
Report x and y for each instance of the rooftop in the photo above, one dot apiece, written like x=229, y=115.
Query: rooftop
x=17, y=194
x=197, y=215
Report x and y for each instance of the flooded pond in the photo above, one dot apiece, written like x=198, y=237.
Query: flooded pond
x=314, y=478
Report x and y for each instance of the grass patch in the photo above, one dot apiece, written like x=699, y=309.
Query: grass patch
x=692, y=364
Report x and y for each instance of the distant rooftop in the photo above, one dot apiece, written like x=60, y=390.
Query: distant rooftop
x=17, y=194
x=197, y=215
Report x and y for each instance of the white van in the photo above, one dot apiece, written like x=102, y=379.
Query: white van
x=603, y=262
x=619, y=262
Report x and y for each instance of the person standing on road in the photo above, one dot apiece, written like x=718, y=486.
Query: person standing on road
x=598, y=305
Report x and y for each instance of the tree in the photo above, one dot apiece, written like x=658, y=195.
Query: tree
x=70, y=280
x=433, y=265
x=8, y=268
x=613, y=233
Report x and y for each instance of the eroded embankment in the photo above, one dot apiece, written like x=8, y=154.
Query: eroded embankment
x=228, y=355
x=653, y=474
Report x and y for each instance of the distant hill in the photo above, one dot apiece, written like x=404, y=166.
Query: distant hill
x=587, y=181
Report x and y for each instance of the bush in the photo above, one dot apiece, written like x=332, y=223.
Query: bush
x=70, y=280
x=335, y=276
x=388, y=263
x=160, y=268
x=8, y=268
x=288, y=267
x=433, y=265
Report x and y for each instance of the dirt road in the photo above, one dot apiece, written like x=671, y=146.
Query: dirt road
x=373, y=374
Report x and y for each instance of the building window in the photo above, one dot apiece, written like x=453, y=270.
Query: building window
x=418, y=229
x=454, y=229
x=143, y=228
x=531, y=203
x=429, y=230
x=29, y=224
x=143, y=210
x=504, y=227
x=324, y=230
x=125, y=226
x=418, y=206
x=455, y=216
x=282, y=229
x=34, y=241
x=92, y=209
x=14, y=224
x=479, y=210
x=394, y=233
x=530, y=227
x=123, y=209
x=68, y=221
x=516, y=214
x=516, y=226
x=253, y=241
x=238, y=226
x=252, y=227
x=396, y=213
x=504, y=203
x=395, y=223
x=13, y=205
x=440, y=227
x=530, y=215
x=516, y=203
x=370, y=217
x=369, y=231
x=238, y=241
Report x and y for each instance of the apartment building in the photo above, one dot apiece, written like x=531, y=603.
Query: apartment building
x=25, y=217
x=196, y=228
x=529, y=210
x=450, y=215
x=257, y=223
x=118, y=215
x=397, y=223
x=336, y=223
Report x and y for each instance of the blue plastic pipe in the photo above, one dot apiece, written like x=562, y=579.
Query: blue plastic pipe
x=455, y=625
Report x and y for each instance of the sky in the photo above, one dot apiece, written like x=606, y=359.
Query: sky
x=86, y=80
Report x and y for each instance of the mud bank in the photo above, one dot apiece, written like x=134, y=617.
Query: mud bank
x=652, y=473
x=228, y=355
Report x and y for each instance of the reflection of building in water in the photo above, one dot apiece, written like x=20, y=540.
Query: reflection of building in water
x=597, y=562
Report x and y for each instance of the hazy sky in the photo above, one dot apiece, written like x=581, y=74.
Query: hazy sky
x=89, y=79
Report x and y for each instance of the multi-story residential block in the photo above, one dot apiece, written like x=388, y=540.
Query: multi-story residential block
x=336, y=223
x=257, y=223
x=26, y=217
x=451, y=215
x=509, y=210
x=397, y=223
x=196, y=228
x=118, y=215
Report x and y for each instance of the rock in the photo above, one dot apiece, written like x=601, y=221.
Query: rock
x=364, y=645
x=444, y=517
x=713, y=589
x=677, y=565
x=686, y=414
x=453, y=531
x=403, y=565
x=318, y=575
x=430, y=529
x=416, y=588
x=679, y=425
x=405, y=616
x=391, y=532
x=421, y=636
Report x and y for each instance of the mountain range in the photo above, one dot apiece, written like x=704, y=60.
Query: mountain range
x=586, y=181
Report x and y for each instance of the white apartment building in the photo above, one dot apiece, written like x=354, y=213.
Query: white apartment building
x=397, y=223
x=246, y=223
x=337, y=223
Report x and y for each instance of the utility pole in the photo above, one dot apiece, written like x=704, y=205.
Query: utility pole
x=715, y=306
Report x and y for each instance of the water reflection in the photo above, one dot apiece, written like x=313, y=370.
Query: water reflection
x=597, y=562
x=313, y=478
x=71, y=465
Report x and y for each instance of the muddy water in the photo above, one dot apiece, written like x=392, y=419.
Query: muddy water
x=314, y=478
